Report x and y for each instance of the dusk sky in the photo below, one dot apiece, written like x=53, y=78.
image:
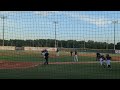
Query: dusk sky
x=72, y=25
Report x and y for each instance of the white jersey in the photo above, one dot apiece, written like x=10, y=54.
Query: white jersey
x=101, y=59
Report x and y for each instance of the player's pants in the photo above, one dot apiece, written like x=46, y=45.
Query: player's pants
x=75, y=58
x=101, y=62
x=43, y=54
x=97, y=59
x=46, y=61
x=108, y=62
x=57, y=53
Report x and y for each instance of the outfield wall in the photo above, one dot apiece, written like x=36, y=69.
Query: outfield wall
x=117, y=51
x=7, y=47
x=90, y=50
x=39, y=48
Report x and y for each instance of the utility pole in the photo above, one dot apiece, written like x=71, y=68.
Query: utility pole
x=3, y=17
x=114, y=22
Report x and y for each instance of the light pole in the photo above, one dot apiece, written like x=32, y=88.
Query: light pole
x=55, y=33
x=61, y=43
x=114, y=22
x=107, y=44
x=84, y=44
x=3, y=17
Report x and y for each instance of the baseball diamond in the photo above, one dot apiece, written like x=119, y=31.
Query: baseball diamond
x=59, y=45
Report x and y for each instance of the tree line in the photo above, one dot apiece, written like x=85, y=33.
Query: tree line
x=60, y=43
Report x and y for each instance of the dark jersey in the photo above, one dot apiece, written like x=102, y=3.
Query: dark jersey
x=75, y=52
x=97, y=54
x=42, y=51
x=57, y=50
x=108, y=58
x=46, y=55
x=103, y=58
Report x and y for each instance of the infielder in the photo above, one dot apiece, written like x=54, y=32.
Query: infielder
x=75, y=57
x=108, y=60
x=102, y=60
x=71, y=52
x=97, y=56
x=57, y=52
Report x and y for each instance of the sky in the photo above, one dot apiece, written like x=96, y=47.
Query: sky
x=71, y=25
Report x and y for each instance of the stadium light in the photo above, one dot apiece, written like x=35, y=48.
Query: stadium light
x=114, y=22
x=3, y=17
x=55, y=32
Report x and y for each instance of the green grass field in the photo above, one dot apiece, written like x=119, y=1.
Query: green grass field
x=68, y=71
x=82, y=71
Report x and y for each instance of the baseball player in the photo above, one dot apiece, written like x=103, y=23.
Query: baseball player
x=43, y=52
x=97, y=56
x=57, y=52
x=75, y=57
x=108, y=60
x=102, y=60
x=46, y=56
x=71, y=52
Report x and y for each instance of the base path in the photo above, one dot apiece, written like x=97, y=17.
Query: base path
x=22, y=65
x=91, y=62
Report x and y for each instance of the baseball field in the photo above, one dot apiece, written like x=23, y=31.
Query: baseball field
x=29, y=65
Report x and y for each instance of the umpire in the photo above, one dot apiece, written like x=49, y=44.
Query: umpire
x=46, y=56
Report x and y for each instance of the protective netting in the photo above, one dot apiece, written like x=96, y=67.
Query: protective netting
x=78, y=29
x=71, y=38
